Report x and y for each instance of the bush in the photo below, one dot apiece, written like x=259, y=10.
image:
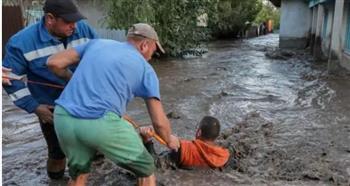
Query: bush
x=232, y=16
x=267, y=12
x=174, y=20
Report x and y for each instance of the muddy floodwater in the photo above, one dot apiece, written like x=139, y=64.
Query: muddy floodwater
x=285, y=116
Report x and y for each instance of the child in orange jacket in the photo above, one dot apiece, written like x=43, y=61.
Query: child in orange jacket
x=202, y=152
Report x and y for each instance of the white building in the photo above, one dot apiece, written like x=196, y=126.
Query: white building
x=322, y=25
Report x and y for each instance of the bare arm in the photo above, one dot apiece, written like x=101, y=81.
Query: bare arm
x=160, y=122
x=6, y=72
x=59, y=63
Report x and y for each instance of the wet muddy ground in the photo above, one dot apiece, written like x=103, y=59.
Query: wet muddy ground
x=288, y=119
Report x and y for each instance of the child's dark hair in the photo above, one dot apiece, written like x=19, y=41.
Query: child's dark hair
x=210, y=127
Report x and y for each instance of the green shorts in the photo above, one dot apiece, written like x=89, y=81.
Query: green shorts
x=110, y=135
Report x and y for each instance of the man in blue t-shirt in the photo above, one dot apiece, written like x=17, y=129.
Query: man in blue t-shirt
x=26, y=53
x=88, y=114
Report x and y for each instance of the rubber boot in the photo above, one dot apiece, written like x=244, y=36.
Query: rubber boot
x=56, y=168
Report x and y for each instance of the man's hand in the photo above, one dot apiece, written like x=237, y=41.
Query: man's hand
x=145, y=133
x=174, y=143
x=6, y=72
x=67, y=75
x=45, y=114
x=59, y=63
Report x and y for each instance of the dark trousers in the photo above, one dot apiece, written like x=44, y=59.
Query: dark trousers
x=55, y=151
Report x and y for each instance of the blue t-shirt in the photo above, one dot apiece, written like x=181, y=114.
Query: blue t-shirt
x=109, y=75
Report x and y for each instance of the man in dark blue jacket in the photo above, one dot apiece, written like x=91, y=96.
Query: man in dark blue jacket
x=26, y=54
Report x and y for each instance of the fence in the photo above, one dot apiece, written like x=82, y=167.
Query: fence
x=118, y=35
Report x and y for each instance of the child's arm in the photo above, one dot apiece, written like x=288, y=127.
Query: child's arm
x=164, y=160
x=147, y=140
x=145, y=133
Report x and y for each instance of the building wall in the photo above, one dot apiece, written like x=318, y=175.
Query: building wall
x=327, y=37
x=344, y=28
x=345, y=53
x=299, y=23
x=295, y=24
x=342, y=55
x=313, y=19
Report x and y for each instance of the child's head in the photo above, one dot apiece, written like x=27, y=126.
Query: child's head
x=209, y=128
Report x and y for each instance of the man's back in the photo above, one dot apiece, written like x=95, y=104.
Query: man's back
x=111, y=73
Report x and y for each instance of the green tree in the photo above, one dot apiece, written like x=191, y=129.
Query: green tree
x=232, y=16
x=269, y=12
x=174, y=20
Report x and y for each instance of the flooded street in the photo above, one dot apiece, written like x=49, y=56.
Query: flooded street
x=289, y=120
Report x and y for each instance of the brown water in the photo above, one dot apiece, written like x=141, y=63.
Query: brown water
x=287, y=117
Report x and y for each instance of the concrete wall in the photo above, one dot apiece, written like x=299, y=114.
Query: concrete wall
x=345, y=61
x=344, y=27
x=345, y=56
x=317, y=45
x=295, y=24
x=300, y=24
x=313, y=19
x=327, y=39
x=336, y=37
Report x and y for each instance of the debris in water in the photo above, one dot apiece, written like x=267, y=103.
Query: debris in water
x=221, y=68
x=280, y=54
x=173, y=115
